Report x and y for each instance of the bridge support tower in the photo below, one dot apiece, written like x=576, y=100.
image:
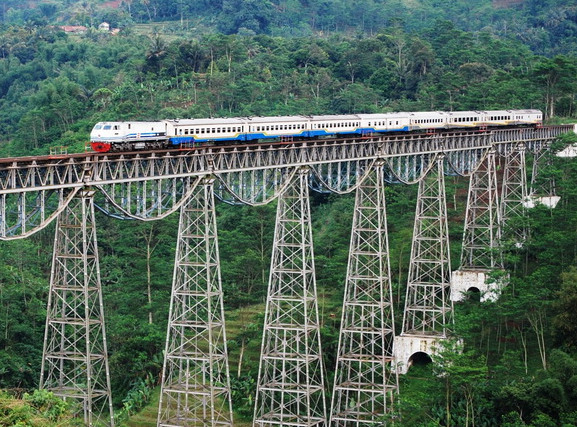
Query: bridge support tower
x=195, y=380
x=514, y=198
x=481, y=251
x=366, y=380
x=75, y=358
x=542, y=189
x=290, y=387
x=428, y=308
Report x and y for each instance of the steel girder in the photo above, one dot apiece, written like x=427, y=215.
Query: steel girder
x=149, y=185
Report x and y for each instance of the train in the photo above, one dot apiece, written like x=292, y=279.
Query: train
x=177, y=133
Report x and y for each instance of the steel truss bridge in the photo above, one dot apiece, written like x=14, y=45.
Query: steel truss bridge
x=291, y=382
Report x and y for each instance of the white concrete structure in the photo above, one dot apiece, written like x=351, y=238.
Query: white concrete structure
x=407, y=346
x=570, y=151
x=462, y=281
x=548, y=201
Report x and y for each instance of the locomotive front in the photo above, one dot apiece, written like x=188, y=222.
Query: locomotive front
x=114, y=136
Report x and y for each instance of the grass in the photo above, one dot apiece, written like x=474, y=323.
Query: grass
x=147, y=417
x=237, y=322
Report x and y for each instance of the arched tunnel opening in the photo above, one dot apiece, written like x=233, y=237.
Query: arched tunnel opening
x=419, y=359
x=473, y=294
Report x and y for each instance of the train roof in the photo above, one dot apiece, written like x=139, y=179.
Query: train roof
x=128, y=122
x=209, y=121
x=380, y=115
x=327, y=117
x=276, y=119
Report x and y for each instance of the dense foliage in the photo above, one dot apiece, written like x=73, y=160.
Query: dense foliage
x=517, y=368
x=546, y=26
x=54, y=86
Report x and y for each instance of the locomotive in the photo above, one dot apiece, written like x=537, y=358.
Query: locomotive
x=137, y=135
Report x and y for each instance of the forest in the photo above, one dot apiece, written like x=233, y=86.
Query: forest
x=179, y=58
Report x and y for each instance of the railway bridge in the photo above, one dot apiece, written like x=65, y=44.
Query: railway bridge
x=291, y=382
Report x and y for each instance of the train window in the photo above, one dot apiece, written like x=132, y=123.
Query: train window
x=186, y=131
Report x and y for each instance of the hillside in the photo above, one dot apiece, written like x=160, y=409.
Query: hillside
x=548, y=27
x=231, y=58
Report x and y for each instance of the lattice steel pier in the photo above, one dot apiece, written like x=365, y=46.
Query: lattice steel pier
x=428, y=308
x=75, y=359
x=290, y=387
x=366, y=380
x=481, y=252
x=195, y=381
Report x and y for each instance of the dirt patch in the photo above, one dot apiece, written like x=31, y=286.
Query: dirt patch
x=113, y=4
